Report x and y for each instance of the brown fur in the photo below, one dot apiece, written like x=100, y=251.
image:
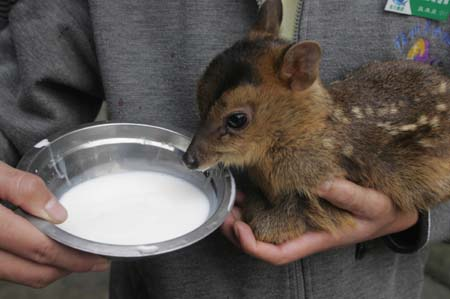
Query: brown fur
x=386, y=126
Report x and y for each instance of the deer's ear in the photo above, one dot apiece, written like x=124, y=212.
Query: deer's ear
x=269, y=19
x=300, y=66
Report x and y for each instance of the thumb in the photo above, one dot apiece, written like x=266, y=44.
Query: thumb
x=30, y=193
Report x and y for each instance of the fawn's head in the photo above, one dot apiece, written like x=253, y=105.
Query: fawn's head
x=252, y=93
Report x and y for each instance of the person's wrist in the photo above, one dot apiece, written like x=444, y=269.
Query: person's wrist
x=411, y=239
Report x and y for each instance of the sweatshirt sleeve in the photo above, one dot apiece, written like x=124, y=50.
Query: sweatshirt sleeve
x=439, y=223
x=49, y=77
x=432, y=226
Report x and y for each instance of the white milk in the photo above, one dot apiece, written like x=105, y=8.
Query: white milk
x=134, y=208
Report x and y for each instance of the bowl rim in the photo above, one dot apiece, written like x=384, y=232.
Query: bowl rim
x=128, y=251
x=31, y=153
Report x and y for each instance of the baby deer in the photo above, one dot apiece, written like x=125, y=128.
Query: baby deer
x=264, y=109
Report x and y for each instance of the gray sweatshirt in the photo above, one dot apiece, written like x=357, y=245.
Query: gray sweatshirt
x=60, y=58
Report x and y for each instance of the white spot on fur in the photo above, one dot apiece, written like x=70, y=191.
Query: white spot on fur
x=434, y=122
x=339, y=115
x=423, y=120
x=443, y=87
x=410, y=127
x=393, y=132
x=426, y=143
x=393, y=109
x=357, y=112
x=441, y=107
x=347, y=150
x=386, y=125
x=328, y=143
x=369, y=111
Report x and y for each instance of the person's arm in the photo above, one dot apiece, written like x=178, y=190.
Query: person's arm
x=48, y=81
x=49, y=78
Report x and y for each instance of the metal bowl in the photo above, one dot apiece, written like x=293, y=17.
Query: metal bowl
x=106, y=148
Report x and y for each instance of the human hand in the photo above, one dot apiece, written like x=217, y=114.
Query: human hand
x=26, y=255
x=374, y=213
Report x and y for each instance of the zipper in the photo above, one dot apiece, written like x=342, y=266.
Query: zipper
x=301, y=285
x=299, y=266
x=298, y=16
x=300, y=279
x=292, y=13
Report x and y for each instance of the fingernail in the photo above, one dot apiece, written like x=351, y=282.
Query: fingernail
x=325, y=187
x=102, y=267
x=55, y=210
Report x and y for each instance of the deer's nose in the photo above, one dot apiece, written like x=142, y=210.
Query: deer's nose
x=190, y=160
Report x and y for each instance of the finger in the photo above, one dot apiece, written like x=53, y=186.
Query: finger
x=403, y=221
x=363, y=202
x=261, y=250
x=30, y=193
x=17, y=270
x=227, y=226
x=19, y=237
x=289, y=251
x=310, y=243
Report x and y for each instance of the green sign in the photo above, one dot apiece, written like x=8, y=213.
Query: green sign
x=431, y=9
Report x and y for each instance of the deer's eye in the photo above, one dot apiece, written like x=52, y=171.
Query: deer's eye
x=237, y=121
